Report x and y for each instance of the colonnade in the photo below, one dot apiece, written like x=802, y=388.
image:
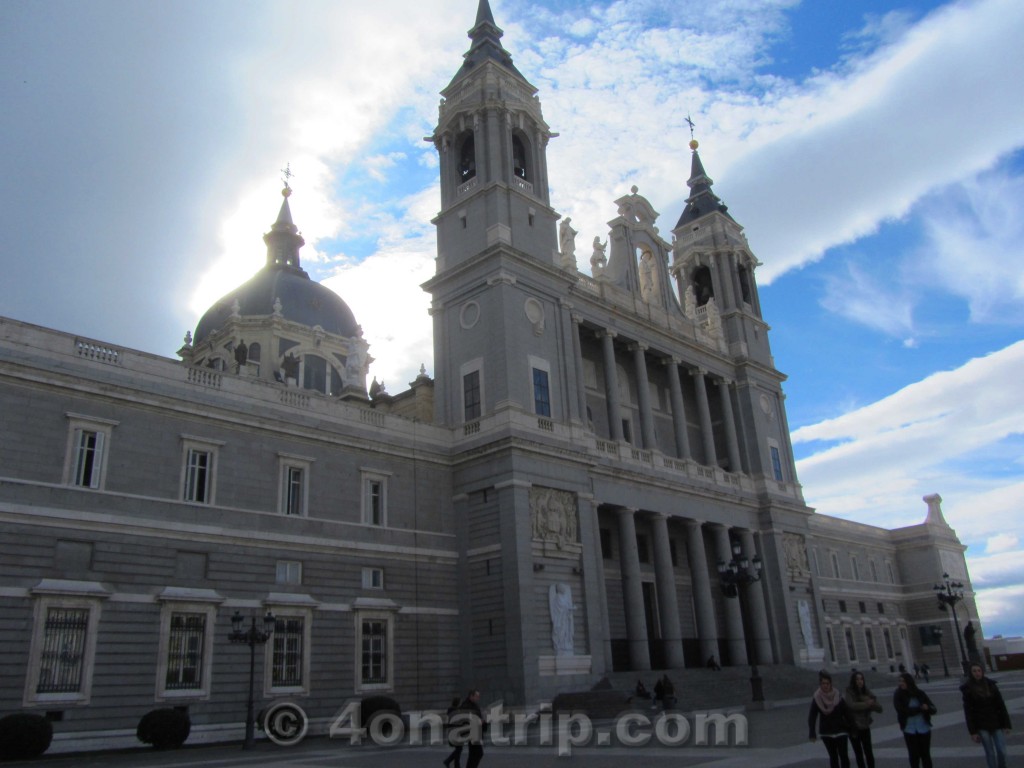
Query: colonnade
x=647, y=438
x=745, y=631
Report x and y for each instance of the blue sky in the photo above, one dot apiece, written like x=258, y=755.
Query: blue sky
x=873, y=150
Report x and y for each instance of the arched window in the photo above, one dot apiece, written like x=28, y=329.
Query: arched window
x=467, y=158
x=314, y=370
x=702, y=285
x=519, y=166
x=745, y=284
x=254, y=352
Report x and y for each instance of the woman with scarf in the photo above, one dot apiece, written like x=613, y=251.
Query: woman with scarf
x=986, y=715
x=828, y=711
x=914, y=712
x=861, y=702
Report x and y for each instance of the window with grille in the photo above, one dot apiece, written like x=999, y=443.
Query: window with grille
x=88, y=458
x=185, y=643
x=374, y=651
x=869, y=640
x=887, y=638
x=62, y=656
x=851, y=648
x=288, y=640
x=541, y=393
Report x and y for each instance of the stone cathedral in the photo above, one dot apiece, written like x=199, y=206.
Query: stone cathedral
x=598, y=478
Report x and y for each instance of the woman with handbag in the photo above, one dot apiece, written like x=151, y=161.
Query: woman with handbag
x=861, y=702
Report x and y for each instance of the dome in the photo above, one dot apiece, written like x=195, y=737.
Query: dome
x=302, y=301
x=282, y=279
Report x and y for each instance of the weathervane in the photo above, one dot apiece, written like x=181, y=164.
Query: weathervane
x=287, y=171
x=692, y=125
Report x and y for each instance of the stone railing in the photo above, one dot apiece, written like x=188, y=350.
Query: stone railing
x=204, y=377
x=464, y=188
x=522, y=184
x=102, y=353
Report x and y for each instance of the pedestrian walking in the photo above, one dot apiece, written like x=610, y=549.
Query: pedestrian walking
x=476, y=738
x=455, y=757
x=925, y=672
x=828, y=712
x=914, y=712
x=986, y=715
x=917, y=671
x=861, y=703
x=668, y=693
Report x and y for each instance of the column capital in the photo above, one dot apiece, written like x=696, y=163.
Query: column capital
x=623, y=511
x=698, y=371
x=576, y=317
x=671, y=360
x=692, y=522
x=605, y=332
x=638, y=346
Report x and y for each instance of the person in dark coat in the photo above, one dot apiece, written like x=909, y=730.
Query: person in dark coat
x=914, y=712
x=828, y=712
x=861, y=702
x=455, y=757
x=986, y=715
x=476, y=740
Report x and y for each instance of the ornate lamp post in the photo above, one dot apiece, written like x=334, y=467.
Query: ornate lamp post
x=739, y=572
x=252, y=637
x=950, y=593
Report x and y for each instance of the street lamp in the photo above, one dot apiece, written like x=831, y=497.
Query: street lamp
x=738, y=572
x=950, y=593
x=937, y=637
x=252, y=637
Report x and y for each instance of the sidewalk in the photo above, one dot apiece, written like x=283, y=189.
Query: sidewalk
x=776, y=736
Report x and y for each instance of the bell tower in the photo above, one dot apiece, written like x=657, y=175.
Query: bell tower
x=492, y=139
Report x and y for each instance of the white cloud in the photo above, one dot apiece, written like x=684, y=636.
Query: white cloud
x=1002, y=542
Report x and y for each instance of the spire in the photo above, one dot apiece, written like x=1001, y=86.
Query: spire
x=701, y=200
x=283, y=240
x=486, y=44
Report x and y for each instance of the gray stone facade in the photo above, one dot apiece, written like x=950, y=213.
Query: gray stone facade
x=551, y=507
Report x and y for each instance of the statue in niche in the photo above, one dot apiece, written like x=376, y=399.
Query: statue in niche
x=562, y=626
x=291, y=370
x=598, y=261
x=554, y=516
x=806, y=630
x=690, y=302
x=241, y=353
x=648, y=277
x=567, y=238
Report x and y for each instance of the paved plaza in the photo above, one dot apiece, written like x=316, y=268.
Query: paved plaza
x=776, y=736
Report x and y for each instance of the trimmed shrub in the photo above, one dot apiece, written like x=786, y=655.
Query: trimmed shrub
x=164, y=728
x=24, y=735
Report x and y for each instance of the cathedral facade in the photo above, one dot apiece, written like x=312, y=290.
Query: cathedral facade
x=598, y=478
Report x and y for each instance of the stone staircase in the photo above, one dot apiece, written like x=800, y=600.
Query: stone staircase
x=695, y=689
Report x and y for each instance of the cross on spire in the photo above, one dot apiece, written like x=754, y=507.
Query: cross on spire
x=692, y=125
x=287, y=171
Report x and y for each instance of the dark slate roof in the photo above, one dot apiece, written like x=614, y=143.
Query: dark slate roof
x=302, y=300
x=702, y=200
x=486, y=37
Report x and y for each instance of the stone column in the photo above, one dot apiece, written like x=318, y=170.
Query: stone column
x=728, y=299
x=734, y=637
x=710, y=456
x=643, y=396
x=703, y=603
x=732, y=443
x=611, y=385
x=675, y=391
x=668, y=599
x=757, y=612
x=632, y=592
x=577, y=354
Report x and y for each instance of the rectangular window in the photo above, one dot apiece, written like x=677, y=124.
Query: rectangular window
x=373, y=578
x=851, y=649
x=854, y=568
x=776, y=464
x=375, y=497
x=374, y=665
x=863, y=606
x=287, y=659
x=887, y=638
x=842, y=606
x=185, y=644
x=198, y=475
x=831, y=644
x=881, y=607
x=85, y=459
x=294, y=474
x=541, y=393
x=471, y=395
x=869, y=640
x=62, y=655
x=835, y=565
x=288, y=572
x=88, y=458
x=874, y=570
x=888, y=568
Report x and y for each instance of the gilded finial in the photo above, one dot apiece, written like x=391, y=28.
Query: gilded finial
x=693, y=141
x=287, y=171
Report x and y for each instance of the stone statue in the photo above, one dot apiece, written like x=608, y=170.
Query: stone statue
x=648, y=276
x=690, y=302
x=796, y=555
x=567, y=238
x=599, y=260
x=241, y=353
x=291, y=369
x=804, y=609
x=562, y=629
